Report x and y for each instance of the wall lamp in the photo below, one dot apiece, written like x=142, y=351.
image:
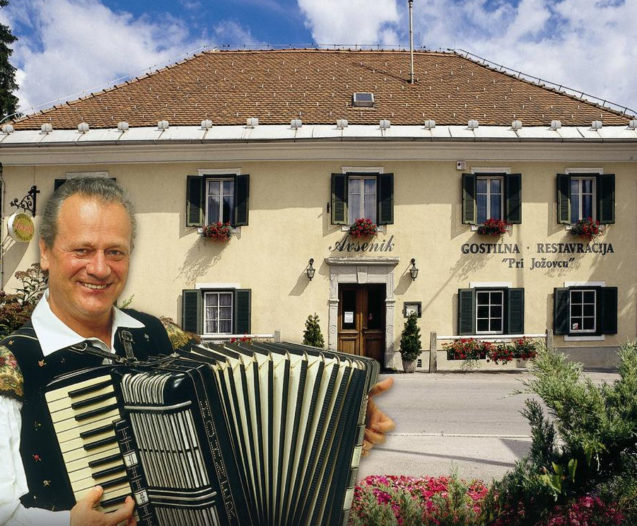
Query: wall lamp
x=413, y=270
x=310, y=270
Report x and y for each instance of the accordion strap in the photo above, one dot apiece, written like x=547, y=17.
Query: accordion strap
x=87, y=348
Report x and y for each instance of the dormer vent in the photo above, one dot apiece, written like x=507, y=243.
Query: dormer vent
x=363, y=99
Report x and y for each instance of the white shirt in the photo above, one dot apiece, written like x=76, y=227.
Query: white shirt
x=52, y=334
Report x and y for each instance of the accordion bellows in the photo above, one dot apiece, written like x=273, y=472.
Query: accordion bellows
x=245, y=434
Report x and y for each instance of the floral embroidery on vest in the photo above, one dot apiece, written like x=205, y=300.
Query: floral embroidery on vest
x=11, y=382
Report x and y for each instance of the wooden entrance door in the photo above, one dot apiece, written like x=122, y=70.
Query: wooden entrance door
x=361, y=320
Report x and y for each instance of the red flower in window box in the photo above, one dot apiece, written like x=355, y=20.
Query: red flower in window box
x=586, y=228
x=217, y=231
x=493, y=227
x=363, y=228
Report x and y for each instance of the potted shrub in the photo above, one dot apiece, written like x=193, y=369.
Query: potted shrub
x=493, y=227
x=217, y=231
x=363, y=228
x=410, y=343
x=312, y=334
x=586, y=228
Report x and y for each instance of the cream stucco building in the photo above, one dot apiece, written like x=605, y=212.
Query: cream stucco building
x=252, y=138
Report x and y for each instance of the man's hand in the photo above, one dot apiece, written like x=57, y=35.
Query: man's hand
x=83, y=513
x=377, y=422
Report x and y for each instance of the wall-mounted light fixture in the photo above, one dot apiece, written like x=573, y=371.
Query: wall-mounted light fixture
x=310, y=270
x=413, y=270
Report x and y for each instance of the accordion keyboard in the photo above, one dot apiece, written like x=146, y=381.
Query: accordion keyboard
x=83, y=416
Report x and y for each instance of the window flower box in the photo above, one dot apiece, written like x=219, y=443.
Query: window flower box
x=470, y=349
x=586, y=228
x=217, y=231
x=493, y=227
x=363, y=228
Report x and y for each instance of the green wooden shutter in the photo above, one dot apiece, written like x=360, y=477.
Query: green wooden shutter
x=515, y=311
x=607, y=305
x=242, y=307
x=561, y=300
x=513, y=205
x=606, y=198
x=385, y=184
x=191, y=311
x=195, y=205
x=469, y=199
x=241, y=195
x=564, y=199
x=339, y=199
x=466, y=311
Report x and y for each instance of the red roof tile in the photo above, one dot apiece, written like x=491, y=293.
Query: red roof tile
x=317, y=87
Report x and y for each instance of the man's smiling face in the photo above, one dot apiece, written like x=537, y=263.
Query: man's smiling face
x=88, y=262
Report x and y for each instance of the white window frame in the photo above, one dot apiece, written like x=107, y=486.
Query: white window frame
x=480, y=291
x=580, y=179
x=219, y=180
x=591, y=337
x=583, y=332
x=361, y=171
x=490, y=178
x=361, y=211
x=218, y=293
x=217, y=174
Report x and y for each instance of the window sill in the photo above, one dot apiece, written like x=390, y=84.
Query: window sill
x=584, y=338
x=474, y=228
x=234, y=230
x=568, y=228
x=380, y=229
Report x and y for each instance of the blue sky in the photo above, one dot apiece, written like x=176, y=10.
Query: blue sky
x=69, y=48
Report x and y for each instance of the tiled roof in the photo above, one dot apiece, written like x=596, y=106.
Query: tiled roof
x=317, y=86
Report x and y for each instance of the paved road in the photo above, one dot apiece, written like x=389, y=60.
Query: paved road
x=470, y=422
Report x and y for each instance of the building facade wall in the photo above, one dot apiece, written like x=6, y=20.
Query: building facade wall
x=289, y=223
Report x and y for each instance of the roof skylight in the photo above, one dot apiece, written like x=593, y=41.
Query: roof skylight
x=362, y=99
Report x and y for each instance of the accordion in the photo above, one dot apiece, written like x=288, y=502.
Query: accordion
x=238, y=434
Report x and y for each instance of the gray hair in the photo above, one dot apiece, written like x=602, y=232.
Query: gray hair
x=101, y=188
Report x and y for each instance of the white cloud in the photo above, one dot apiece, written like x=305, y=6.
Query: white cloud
x=83, y=46
x=582, y=44
x=587, y=45
x=233, y=34
x=349, y=22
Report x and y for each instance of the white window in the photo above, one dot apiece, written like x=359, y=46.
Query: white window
x=219, y=200
x=489, y=312
x=488, y=198
x=217, y=312
x=583, y=198
x=583, y=311
x=361, y=198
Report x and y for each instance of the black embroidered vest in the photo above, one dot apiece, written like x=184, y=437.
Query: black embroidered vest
x=43, y=464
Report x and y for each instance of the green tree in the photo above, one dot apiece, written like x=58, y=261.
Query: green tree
x=312, y=334
x=8, y=101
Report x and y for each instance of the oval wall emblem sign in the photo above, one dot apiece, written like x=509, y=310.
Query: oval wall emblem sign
x=21, y=227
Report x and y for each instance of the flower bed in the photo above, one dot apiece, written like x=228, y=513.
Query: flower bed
x=217, y=231
x=363, y=228
x=413, y=501
x=586, y=228
x=498, y=353
x=383, y=500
